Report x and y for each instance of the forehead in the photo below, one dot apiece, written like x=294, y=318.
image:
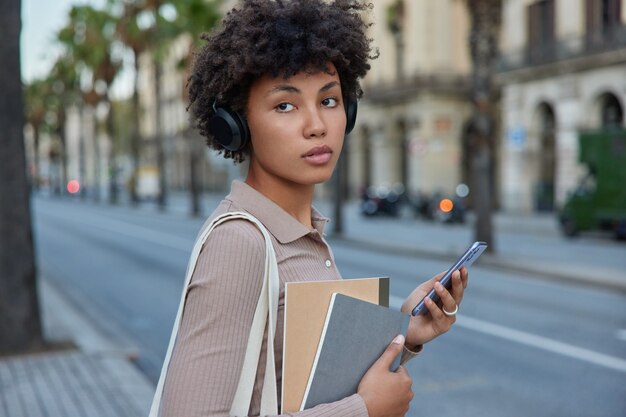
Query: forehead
x=308, y=79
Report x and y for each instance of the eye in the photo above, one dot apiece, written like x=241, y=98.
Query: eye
x=285, y=107
x=330, y=102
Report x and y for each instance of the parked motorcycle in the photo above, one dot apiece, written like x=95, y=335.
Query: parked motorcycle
x=440, y=207
x=385, y=201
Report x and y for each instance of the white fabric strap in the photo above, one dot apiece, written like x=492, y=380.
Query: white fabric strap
x=267, y=305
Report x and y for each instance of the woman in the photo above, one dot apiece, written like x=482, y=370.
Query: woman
x=277, y=85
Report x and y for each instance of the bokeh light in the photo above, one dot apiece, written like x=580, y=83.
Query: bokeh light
x=73, y=186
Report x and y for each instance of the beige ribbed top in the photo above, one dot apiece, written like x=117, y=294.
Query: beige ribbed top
x=224, y=290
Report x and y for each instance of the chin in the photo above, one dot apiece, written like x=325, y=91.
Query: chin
x=316, y=179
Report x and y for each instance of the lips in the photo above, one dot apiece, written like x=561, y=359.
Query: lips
x=318, y=150
x=319, y=155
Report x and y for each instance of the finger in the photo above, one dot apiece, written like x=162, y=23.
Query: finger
x=435, y=312
x=391, y=353
x=447, y=300
x=457, y=287
x=464, y=276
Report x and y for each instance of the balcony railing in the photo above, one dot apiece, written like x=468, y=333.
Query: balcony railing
x=406, y=87
x=609, y=39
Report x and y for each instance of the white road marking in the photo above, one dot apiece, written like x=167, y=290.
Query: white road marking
x=530, y=339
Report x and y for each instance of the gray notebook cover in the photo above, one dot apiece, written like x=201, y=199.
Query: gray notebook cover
x=356, y=333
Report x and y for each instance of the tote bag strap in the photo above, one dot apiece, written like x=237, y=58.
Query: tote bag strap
x=267, y=305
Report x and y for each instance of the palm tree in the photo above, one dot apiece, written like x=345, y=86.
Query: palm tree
x=64, y=79
x=194, y=17
x=41, y=112
x=20, y=323
x=480, y=129
x=155, y=36
x=89, y=36
x=138, y=39
x=35, y=111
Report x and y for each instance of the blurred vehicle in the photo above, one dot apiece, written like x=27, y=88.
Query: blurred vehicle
x=382, y=200
x=422, y=205
x=450, y=210
x=599, y=201
x=441, y=207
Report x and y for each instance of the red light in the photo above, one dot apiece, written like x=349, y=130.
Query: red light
x=446, y=205
x=73, y=186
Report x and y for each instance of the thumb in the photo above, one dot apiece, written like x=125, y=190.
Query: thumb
x=392, y=351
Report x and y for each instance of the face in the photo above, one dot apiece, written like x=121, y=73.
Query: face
x=297, y=128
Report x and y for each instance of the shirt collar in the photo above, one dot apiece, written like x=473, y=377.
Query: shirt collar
x=280, y=224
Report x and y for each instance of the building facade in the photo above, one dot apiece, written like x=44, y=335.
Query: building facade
x=415, y=101
x=409, y=122
x=562, y=71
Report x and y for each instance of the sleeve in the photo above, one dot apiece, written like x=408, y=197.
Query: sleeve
x=208, y=355
x=408, y=354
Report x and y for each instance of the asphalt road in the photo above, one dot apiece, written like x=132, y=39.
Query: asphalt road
x=521, y=347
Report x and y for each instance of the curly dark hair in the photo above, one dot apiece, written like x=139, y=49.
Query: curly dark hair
x=279, y=38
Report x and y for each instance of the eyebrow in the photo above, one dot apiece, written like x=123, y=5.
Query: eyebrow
x=291, y=89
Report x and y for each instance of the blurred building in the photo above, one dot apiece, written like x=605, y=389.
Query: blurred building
x=410, y=120
x=415, y=100
x=563, y=70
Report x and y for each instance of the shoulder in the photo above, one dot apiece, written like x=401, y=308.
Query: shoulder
x=235, y=250
x=233, y=236
x=240, y=232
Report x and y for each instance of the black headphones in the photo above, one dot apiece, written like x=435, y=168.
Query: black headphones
x=231, y=131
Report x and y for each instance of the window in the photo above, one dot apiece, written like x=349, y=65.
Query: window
x=602, y=21
x=541, y=32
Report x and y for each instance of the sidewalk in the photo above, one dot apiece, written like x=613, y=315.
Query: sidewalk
x=97, y=379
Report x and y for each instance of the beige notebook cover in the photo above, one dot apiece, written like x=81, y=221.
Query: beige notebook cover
x=306, y=305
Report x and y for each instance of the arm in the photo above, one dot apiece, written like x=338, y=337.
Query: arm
x=208, y=356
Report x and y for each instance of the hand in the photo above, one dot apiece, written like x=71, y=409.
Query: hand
x=426, y=327
x=387, y=394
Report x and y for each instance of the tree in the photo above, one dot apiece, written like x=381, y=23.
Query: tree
x=20, y=323
x=41, y=114
x=150, y=26
x=35, y=95
x=88, y=37
x=66, y=93
x=135, y=33
x=193, y=17
x=480, y=132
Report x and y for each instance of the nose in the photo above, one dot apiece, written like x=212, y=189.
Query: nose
x=315, y=127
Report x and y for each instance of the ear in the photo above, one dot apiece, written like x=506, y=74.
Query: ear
x=229, y=129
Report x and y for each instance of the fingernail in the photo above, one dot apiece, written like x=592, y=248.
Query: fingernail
x=398, y=340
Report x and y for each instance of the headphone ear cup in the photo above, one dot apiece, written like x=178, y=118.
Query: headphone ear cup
x=229, y=129
x=351, y=110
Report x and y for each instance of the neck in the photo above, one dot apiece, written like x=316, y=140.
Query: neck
x=295, y=199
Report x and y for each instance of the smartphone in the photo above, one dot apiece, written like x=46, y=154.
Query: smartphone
x=465, y=260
